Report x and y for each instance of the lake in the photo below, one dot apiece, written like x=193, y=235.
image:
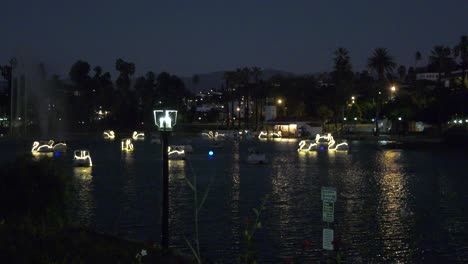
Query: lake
x=393, y=205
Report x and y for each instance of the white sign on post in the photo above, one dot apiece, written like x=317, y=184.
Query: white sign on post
x=328, y=194
x=327, y=239
x=328, y=212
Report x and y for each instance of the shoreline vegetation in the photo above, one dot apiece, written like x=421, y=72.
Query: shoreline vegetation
x=35, y=225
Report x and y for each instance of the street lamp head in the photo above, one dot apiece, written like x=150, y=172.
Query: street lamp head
x=352, y=97
x=393, y=88
x=165, y=120
x=238, y=109
x=280, y=101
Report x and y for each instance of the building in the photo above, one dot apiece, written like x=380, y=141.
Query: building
x=428, y=76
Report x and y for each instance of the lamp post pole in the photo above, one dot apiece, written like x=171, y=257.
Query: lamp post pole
x=165, y=205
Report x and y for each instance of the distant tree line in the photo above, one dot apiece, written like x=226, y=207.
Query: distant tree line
x=128, y=101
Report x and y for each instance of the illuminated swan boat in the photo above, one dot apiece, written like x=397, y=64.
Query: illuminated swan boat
x=307, y=145
x=337, y=147
x=176, y=152
x=138, y=135
x=323, y=139
x=210, y=134
x=126, y=144
x=60, y=147
x=276, y=134
x=263, y=135
x=256, y=156
x=42, y=147
x=109, y=134
x=81, y=157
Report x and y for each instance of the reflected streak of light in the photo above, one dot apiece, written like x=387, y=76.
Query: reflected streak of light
x=393, y=202
x=86, y=200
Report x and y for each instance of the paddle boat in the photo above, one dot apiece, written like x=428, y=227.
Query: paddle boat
x=337, y=147
x=82, y=158
x=42, y=147
x=176, y=152
x=256, y=156
x=109, y=134
x=138, y=135
x=126, y=144
x=60, y=147
x=307, y=145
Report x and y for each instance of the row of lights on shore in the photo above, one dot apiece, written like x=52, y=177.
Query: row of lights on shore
x=459, y=121
x=399, y=119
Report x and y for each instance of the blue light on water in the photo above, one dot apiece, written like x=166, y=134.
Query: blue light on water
x=321, y=148
x=211, y=153
x=57, y=154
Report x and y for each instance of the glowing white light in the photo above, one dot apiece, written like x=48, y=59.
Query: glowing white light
x=165, y=121
x=126, y=144
x=355, y=118
x=137, y=135
x=323, y=139
x=238, y=109
x=399, y=118
x=176, y=152
x=352, y=97
x=276, y=134
x=262, y=134
x=373, y=119
x=466, y=120
x=82, y=157
x=60, y=147
x=303, y=145
x=109, y=134
x=37, y=147
x=344, y=119
x=460, y=121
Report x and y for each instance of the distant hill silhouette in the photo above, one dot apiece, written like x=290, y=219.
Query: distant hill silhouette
x=215, y=80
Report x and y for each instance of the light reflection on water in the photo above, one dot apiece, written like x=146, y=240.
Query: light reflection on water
x=83, y=180
x=393, y=205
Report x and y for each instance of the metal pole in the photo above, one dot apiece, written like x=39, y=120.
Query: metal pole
x=165, y=205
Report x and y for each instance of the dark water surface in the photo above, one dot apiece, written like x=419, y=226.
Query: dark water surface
x=393, y=205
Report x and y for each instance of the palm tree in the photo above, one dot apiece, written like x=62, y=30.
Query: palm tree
x=417, y=57
x=402, y=72
x=256, y=73
x=229, y=78
x=343, y=77
x=440, y=57
x=380, y=62
x=461, y=51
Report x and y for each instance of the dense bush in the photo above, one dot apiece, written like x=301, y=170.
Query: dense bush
x=33, y=194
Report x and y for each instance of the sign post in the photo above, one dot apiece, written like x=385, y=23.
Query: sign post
x=328, y=196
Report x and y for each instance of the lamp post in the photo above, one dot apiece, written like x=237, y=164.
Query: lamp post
x=392, y=92
x=165, y=120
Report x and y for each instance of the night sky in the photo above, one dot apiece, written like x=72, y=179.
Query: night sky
x=187, y=37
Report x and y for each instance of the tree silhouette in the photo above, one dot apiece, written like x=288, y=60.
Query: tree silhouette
x=461, y=51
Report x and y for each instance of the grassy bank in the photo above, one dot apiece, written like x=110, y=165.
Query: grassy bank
x=35, y=226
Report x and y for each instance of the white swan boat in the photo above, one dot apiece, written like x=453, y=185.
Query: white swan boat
x=82, y=158
x=42, y=147
x=108, y=134
x=60, y=147
x=325, y=140
x=176, y=152
x=138, y=135
x=337, y=147
x=263, y=135
x=307, y=145
x=126, y=144
x=256, y=156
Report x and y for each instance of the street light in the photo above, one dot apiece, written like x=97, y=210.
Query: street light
x=393, y=89
x=165, y=120
x=280, y=101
